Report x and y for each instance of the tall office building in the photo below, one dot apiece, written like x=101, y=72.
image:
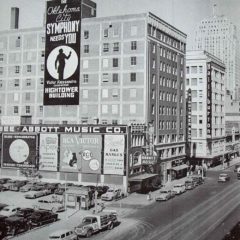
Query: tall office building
x=219, y=36
x=132, y=70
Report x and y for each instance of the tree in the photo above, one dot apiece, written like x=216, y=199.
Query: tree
x=30, y=173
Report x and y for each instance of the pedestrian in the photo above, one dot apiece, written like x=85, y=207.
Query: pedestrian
x=149, y=197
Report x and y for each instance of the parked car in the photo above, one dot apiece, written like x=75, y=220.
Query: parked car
x=197, y=179
x=237, y=166
x=189, y=184
x=17, y=185
x=25, y=212
x=3, y=227
x=52, y=186
x=96, y=222
x=164, y=195
x=179, y=188
x=4, y=180
x=37, y=194
x=41, y=217
x=39, y=186
x=53, y=204
x=2, y=205
x=28, y=187
x=9, y=210
x=62, y=187
x=9, y=183
x=16, y=225
x=63, y=234
x=112, y=194
x=101, y=190
x=223, y=177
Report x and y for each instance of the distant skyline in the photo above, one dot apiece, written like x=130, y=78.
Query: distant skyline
x=182, y=14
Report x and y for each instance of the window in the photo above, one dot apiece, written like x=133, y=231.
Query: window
x=85, y=64
x=40, y=109
x=200, y=69
x=105, y=93
x=42, y=67
x=85, y=93
x=105, y=47
x=104, y=109
x=86, y=48
x=105, y=62
x=115, y=62
x=29, y=68
x=116, y=46
x=116, y=31
x=17, y=69
x=16, y=82
x=41, y=80
x=133, y=30
x=115, y=77
x=105, y=32
x=133, y=77
x=28, y=109
x=27, y=96
x=114, y=109
x=105, y=77
x=28, y=82
x=133, y=108
x=115, y=93
x=85, y=78
x=133, y=93
x=1, y=83
x=43, y=39
x=86, y=34
x=18, y=42
x=194, y=81
x=15, y=109
x=42, y=53
x=133, y=61
x=194, y=69
x=134, y=45
x=1, y=70
x=1, y=57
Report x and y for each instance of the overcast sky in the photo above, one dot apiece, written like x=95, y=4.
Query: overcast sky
x=183, y=14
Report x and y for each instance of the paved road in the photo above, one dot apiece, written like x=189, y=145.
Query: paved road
x=193, y=215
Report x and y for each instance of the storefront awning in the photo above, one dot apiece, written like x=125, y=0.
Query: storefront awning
x=142, y=177
x=180, y=167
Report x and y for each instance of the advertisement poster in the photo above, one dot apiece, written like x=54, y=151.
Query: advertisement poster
x=114, y=146
x=62, y=52
x=19, y=150
x=48, y=152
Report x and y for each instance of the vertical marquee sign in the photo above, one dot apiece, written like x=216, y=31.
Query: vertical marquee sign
x=209, y=101
x=189, y=115
x=62, y=52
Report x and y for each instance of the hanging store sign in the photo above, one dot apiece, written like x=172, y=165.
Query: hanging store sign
x=19, y=150
x=209, y=101
x=62, y=52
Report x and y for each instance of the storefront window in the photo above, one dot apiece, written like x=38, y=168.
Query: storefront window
x=71, y=198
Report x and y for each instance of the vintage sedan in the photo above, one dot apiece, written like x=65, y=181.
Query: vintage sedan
x=4, y=180
x=39, y=186
x=17, y=185
x=223, y=177
x=52, y=186
x=8, y=184
x=25, y=212
x=37, y=194
x=28, y=187
x=164, y=195
x=41, y=217
x=54, y=204
x=101, y=190
x=9, y=210
x=112, y=194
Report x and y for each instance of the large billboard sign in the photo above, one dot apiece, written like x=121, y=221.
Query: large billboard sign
x=48, y=152
x=209, y=101
x=19, y=150
x=62, y=52
x=114, y=146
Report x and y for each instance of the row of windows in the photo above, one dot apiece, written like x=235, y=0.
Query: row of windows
x=17, y=69
x=114, y=109
x=27, y=109
x=171, y=111
x=166, y=125
x=216, y=132
x=168, y=138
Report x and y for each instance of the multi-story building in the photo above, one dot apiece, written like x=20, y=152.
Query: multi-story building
x=205, y=77
x=132, y=71
x=219, y=36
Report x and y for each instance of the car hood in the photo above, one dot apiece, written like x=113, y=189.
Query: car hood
x=82, y=225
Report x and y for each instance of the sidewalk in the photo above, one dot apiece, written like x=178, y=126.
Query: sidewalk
x=225, y=166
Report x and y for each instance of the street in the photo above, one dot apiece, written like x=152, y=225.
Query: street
x=207, y=212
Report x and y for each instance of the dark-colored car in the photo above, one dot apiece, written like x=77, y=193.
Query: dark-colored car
x=3, y=227
x=2, y=205
x=101, y=190
x=16, y=225
x=197, y=179
x=25, y=212
x=9, y=183
x=39, y=186
x=41, y=217
x=236, y=167
x=52, y=186
x=17, y=185
x=4, y=180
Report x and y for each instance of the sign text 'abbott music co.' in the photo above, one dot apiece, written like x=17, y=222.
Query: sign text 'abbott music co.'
x=62, y=52
x=64, y=129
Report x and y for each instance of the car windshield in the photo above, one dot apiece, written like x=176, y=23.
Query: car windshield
x=163, y=192
x=87, y=220
x=223, y=175
x=110, y=190
x=54, y=237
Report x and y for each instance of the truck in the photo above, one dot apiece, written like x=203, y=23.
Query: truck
x=94, y=223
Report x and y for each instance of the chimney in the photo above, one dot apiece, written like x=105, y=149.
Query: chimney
x=14, y=18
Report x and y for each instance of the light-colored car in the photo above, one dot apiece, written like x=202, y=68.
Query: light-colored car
x=9, y=210
x=189, y=184
x=37, y=194
x=112, y=194
x=164, y=195
x=63, y=234
x=54, y=204
x=179, y=188
x=223, y=177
